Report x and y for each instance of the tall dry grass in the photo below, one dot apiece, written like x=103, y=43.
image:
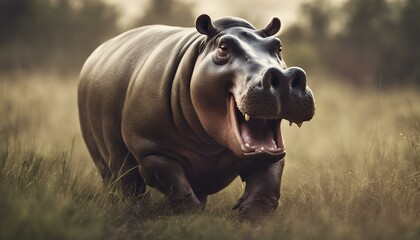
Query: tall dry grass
x=353, y=172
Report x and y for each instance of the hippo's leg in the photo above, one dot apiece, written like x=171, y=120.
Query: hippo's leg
x=123, y=165
x=98, y=160
x=167, y=175
x=262, y=190
x=128, y=177
x=202, y=198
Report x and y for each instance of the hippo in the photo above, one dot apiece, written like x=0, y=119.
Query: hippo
x=188, y=110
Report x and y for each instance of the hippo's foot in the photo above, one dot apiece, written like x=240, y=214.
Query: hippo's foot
x=188, y=203
x=256, y=206
x=167, y=175
x=262, y=191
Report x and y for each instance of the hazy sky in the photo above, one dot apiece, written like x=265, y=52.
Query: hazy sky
x=286, y=10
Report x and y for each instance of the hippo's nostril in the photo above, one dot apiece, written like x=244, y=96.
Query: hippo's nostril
x=274, y=82
x=299, y=80
x=271, y=78
x=296, y=82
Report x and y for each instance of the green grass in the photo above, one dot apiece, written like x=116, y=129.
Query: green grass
x=351, y=173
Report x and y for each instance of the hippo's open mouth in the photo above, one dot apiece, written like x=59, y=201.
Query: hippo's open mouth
x=256, y=135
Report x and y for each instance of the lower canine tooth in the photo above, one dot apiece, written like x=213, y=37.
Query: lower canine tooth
x=247, y=117
x=274, y=142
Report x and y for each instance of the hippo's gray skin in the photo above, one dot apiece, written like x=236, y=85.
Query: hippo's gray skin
x=187, y=110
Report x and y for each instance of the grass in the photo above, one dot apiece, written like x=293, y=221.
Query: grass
x=351, y=173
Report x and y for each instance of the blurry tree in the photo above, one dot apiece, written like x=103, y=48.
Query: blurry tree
x=408, y=37
x=364, y=39
x=52, y=35
x=168, y=12
x=318, y=17
x=376, y=43
x=305, y=41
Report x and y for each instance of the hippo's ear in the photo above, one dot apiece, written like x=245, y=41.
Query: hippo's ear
x=204, y=26
x=273, y=27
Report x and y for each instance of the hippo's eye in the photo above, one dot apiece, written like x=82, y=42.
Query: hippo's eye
x=223, y=50
x=279, y=53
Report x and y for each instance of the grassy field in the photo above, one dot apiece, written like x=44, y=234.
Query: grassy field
x=351, y=173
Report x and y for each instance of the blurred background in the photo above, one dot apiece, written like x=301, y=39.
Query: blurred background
x=352, y=172
x=362, y=42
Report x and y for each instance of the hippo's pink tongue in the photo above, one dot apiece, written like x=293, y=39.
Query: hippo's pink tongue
x=258, y=134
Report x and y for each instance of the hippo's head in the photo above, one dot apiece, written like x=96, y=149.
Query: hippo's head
x=241, y=88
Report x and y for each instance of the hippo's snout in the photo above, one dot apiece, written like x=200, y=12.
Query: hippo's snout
x=278, y=94
x=296, y=98
x=293, y=78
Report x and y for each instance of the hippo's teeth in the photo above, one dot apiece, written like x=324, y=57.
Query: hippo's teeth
x=247, y=144
x=247, y=117
x=260, y=149
x=299, y=124
x=290, y=123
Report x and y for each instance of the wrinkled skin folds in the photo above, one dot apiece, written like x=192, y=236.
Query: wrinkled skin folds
x=187, y=110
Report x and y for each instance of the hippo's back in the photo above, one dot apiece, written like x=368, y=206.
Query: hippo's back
x=117, y=59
